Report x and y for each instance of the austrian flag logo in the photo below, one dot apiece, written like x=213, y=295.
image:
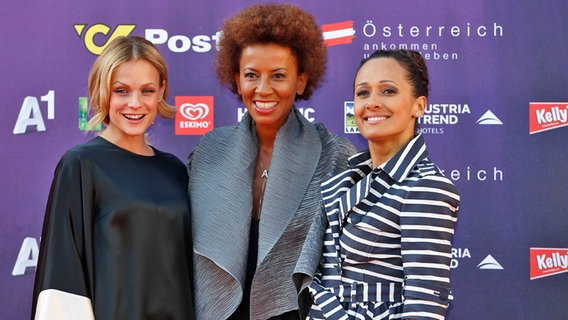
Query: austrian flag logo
x=194, y=115
x=547, y=116
x=548, y=261
x=338, y=33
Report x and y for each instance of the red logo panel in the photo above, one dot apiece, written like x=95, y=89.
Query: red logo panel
x=547, y=115
x=194, y=115
x=548, y=261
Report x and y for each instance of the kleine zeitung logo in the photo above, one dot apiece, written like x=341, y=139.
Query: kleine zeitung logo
x=194, y=115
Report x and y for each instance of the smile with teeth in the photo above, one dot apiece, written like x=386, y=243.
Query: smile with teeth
x=134, y=116
x=265, y=105
x=376, y=118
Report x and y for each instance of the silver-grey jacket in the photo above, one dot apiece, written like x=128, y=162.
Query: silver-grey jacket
x=221, y=170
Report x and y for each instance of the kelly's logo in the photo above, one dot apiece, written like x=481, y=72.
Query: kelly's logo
x=92, y=35
x=194, y=115
x=547, y=116
x=548, y=261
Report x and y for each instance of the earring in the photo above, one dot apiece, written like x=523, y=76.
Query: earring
x=416, y=114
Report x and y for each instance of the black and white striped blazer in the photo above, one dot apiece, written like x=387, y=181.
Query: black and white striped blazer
x=388, y=238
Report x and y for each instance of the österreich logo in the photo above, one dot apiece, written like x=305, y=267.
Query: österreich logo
x=547, y=116
x=194, y=115
x=338, y=33
x=548, y=261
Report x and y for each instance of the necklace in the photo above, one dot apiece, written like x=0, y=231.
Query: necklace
x=264, y=178
x=264, y=172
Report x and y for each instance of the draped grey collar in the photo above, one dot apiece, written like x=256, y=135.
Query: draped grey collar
x=221, y=179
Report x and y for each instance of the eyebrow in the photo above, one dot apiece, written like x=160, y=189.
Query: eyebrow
x=381, y=81
x=125, y=84
x=273, y=70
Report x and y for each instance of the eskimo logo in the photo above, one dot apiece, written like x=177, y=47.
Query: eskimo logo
x=88, y=35
x=195, y=115
x=489, y=263
x=194, y=111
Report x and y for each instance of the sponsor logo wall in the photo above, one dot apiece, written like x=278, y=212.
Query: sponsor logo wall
x=495, y=122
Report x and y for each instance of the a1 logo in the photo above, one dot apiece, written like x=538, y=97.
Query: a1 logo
x=30, y=113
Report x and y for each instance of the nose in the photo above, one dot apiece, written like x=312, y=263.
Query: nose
x=263, y=86
x=134, y=100
x=373, y=102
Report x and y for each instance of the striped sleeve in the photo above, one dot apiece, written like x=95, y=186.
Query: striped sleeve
x=427, y=226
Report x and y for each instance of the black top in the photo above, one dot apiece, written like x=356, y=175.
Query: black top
x=117, y=231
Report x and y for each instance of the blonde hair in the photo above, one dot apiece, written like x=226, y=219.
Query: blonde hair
x=119, y=51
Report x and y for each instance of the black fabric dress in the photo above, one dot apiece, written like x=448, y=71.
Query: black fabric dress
x=116, y=232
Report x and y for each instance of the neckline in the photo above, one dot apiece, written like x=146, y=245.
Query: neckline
x=128, y=151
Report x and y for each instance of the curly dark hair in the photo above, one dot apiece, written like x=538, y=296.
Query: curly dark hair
x=283, y=24
x=412, y=62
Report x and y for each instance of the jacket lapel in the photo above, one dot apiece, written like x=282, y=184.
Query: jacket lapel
x=234, y=158
x=295, y=157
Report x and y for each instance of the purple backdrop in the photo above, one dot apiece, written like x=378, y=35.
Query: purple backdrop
x=489, y=60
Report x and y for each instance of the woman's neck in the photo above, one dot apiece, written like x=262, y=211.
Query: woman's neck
x=134, y=144
x=383, y=151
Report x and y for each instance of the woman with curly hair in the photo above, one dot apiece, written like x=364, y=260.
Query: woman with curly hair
x=255, y=187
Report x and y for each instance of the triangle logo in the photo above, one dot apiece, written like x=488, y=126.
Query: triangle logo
x=489, y=118
x=489, y=263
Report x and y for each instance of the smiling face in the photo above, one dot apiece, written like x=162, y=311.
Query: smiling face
x=385, y=104
x=134, y=97
x=268, y=82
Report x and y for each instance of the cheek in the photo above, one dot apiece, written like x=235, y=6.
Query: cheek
x=155, y=107
x=358, y=109
x=113, y=105
x=245, y=89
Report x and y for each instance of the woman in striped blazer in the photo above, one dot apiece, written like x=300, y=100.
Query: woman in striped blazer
x=391, y=215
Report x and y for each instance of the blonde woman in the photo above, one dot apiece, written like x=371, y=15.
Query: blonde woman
x=116, y=238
